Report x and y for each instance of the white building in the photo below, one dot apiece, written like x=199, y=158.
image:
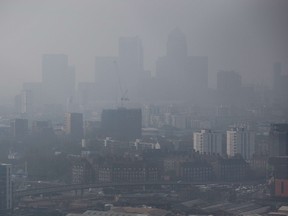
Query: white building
x=207, y=141
x=5, y=189
x=240, y=141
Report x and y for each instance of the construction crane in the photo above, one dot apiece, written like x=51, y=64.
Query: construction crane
x=123, y=97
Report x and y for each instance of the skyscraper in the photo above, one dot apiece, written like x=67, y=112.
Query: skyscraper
x=106, y=78
x=5, y=189
x=73, y=126
x=240, y=141
x=207, y=141
x=58, y=78
x=130, y=64
x=177, y=67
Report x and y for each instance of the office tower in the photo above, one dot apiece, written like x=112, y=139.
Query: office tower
x=130, y=64
x=240, y=141
x=6, y=197
x=58, y=78
x=73, y=126
x=177, y=44
x=278, y=145
x=177, y=67
x=19, y=128
x=121, y=124
x=207, y=141
x=107, y=78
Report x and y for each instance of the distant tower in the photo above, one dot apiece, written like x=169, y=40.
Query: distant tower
x=240, y=141
x=58, y=78
x=176, y=44
x=73, y=126
x=130, y=64
x=177, y=67
x=6, y=198
x=106, y=79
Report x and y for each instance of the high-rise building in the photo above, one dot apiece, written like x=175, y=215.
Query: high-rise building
x=130, y=64
x=177, y=67
x=19, y=128
x=73, y=126
x=107, y=77
x=58, y=78
x=240, y=141
x=6, y=198
x=122, y=124
x=207, y=141
x=278, y=145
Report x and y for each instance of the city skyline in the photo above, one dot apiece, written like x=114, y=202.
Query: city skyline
x=247, y=37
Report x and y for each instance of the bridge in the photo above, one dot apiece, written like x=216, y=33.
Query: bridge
x=81, y=187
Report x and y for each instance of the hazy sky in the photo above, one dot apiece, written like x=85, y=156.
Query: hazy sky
x=242, y=35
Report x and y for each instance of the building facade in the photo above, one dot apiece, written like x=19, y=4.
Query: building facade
x=6, y=198
x=73, y=126
x=278, y=145
x=240, y=141
x=207, y=141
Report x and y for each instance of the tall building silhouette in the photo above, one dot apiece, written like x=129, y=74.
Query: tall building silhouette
x=58, y=78
x=130, y=64
x=122, y=74
x=106, y=78
x=179, y=76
